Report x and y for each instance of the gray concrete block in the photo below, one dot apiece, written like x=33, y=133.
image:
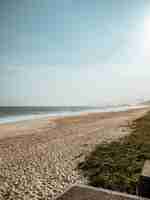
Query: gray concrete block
x=144, y=181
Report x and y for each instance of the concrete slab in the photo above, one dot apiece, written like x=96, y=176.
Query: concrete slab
x=80, y=192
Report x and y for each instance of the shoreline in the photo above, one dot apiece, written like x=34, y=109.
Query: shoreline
x=39, y=157
x=27, y=127
x=23, y=118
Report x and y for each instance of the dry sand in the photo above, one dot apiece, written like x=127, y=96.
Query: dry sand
x=38, y=158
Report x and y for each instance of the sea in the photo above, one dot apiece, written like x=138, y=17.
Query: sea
x=15, y=114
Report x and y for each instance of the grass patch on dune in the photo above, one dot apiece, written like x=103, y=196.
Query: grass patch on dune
x=117, y=165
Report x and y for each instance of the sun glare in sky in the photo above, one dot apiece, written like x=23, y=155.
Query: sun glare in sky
x=147, y=29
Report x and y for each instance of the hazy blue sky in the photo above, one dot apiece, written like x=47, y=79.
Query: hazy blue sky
x=74, y=52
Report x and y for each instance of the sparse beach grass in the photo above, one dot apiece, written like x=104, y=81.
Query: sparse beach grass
x=117, y=165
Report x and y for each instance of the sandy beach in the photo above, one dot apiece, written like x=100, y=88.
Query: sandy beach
x=38, y=158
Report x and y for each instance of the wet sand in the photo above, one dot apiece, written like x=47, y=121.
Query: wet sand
x=38, y=158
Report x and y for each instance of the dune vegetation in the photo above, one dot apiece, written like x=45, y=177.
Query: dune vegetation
x=117, y=165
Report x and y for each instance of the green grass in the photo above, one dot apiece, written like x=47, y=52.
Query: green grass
x=117, y=165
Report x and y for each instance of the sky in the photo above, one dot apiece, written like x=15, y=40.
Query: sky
x=74, y=52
